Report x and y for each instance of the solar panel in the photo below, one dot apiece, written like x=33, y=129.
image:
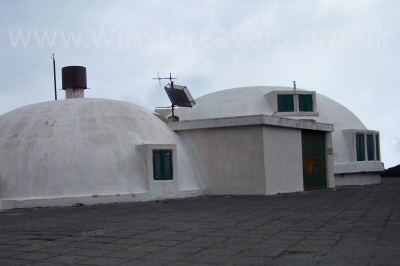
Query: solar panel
x=179, y=95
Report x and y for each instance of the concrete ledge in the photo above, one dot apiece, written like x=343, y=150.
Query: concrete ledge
x=6, y=204
x=297, y=114
x=357, y=179
x=250, y=120
x=358, y=167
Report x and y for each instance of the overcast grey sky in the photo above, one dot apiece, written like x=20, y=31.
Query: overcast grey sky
x=346, y=50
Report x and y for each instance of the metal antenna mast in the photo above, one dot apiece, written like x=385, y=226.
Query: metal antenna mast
x=54, y=73
x=178, y=95
x=172, y=86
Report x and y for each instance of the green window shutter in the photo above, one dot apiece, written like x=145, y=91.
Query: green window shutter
x=370, y=147
x=168, y=165
x=162, y=165
x=377, y=147
x=360, y=147
x=157, y=165
x=305, y=103
x=285, y=103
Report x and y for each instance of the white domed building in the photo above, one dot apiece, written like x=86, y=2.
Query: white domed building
x=265, y=140
x=245, y=141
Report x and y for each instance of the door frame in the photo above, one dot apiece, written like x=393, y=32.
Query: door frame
x=314, y=157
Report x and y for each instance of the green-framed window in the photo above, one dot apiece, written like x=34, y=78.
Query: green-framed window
x=305, y=103
x=370, y=147
x=377, y=147
x=285, y=103
x=360, y=146
x=162, y=165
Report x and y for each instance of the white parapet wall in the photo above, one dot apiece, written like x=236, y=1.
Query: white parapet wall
x=353, y=179
x=358, y=173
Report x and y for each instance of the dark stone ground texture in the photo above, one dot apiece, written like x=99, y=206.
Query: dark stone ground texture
x=358, y=225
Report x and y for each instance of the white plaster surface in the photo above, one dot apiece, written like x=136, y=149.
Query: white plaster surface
x=250, y=159
x=248, y=101
x=83, y=148
x=330, y=168
x=230, y=159
x=357, y=167
x=351, y=179
x=283, y=160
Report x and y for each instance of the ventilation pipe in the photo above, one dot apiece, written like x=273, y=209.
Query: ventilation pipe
x=74, y=81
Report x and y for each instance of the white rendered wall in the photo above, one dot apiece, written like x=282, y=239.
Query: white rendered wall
x=164, y=189
x=230, y=159
x=249, y=159
x=283, y=160
x=329, y=155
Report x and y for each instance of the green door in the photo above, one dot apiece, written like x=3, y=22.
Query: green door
x=314, y=165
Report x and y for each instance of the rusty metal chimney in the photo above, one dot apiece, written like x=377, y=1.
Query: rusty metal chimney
x=74, y=81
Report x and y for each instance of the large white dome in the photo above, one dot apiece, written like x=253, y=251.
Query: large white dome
x=82, y=147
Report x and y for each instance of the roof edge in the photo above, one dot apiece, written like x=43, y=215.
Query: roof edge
x=250, y=120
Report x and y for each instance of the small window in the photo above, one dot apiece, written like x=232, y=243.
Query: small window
x=162, y=164
x=360, y=147
x=305, y=103
x=377, y=146
x=370, y=147
x=285, y=103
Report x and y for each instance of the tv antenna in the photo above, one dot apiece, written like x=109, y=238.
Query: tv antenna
x=159, y=79
x=178, y=95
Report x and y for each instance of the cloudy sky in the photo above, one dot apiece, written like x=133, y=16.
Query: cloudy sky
x=346, y=50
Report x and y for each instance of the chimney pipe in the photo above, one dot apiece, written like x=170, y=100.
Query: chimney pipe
x=74, y=81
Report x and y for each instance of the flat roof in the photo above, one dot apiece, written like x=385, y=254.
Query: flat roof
x=250, y=120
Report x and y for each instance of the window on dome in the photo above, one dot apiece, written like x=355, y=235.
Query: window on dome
x=285, y=103
x=293, y=103
x=370, y=147
x=367, y=146
x=305, y=103
x=162, y=165
x=377, y=146
x=360, y=146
